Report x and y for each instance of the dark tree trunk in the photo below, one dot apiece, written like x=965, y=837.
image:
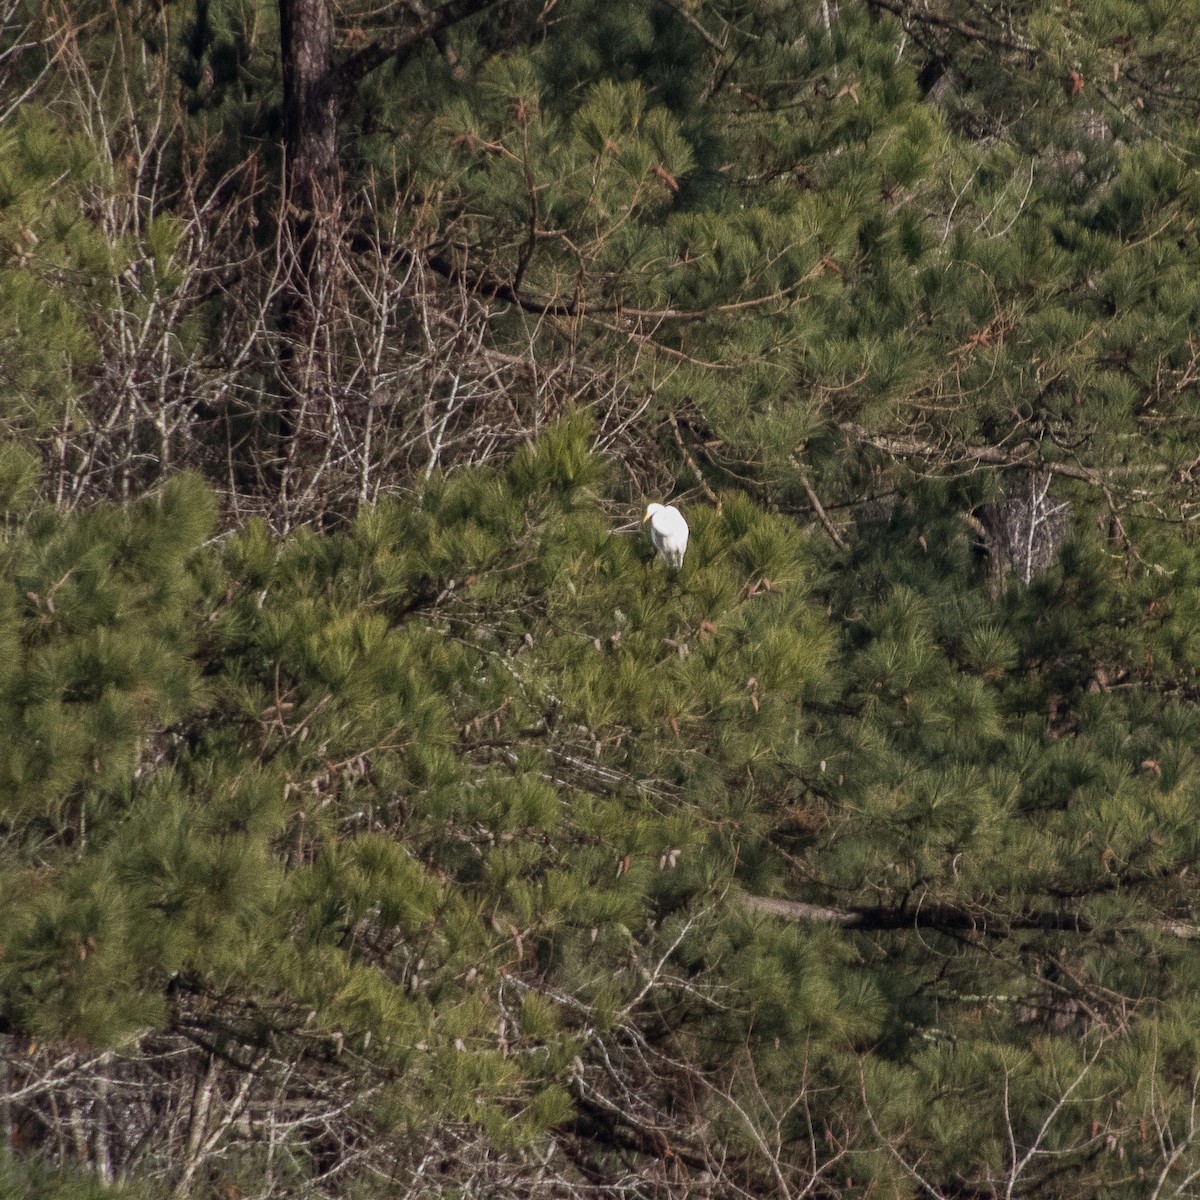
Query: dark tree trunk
x=311, y=220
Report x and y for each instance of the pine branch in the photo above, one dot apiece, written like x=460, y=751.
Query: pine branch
x=607, y=1126
x=910, y=14
x=1023, y=457
x=429, y=24
x=498, y=289
x=946, y=917
x=491, y=288
x=714, y=43
x=691, y=462
x=818, y=508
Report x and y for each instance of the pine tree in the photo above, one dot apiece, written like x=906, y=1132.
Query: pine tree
x=854, y=857
x=480, y=808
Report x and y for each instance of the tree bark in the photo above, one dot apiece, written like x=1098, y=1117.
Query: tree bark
x=312, y=176
x=310, y=219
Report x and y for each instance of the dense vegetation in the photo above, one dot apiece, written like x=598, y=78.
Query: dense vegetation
x=378, y=818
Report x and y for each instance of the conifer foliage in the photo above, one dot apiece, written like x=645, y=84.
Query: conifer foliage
x=380, y=817
x=473, y=832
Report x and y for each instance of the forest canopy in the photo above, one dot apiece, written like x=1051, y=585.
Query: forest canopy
x=380, y=818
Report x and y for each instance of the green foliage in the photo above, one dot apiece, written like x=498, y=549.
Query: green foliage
x=51, y=259
x=480, y=738
x=462, y=798
x=463, y=733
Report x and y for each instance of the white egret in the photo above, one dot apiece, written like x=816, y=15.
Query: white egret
x=668, y=532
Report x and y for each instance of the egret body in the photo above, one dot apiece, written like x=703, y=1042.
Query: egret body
x=668, y=533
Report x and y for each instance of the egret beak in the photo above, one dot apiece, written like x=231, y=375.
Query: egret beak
x=646, y=517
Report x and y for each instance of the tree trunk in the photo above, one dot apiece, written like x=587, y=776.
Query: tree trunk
x=310, y=218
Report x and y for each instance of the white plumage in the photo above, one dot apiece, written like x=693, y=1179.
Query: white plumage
x=668, y=532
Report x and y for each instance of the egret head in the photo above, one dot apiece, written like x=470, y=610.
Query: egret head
x=651, y=509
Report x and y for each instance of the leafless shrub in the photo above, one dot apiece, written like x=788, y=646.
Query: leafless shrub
x=150, y=404
x=409, y=370
x=414, y=375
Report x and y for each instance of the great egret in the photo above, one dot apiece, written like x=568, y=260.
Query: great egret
x=668, y=532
